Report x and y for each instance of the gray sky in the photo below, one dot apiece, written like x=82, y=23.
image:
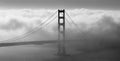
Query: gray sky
x=94, y=4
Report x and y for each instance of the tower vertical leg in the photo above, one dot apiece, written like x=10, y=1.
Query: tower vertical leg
x=61, y=32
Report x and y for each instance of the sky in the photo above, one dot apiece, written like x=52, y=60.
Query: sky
x=96, y=17
x=92, y=4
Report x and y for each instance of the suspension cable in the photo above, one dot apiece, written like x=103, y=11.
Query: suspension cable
x=72, y=21
x=28, y=33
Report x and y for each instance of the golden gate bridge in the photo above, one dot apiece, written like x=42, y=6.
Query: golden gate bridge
x=63, y=18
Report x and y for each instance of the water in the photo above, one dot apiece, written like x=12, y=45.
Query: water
x=47, y=51
x=27, y=52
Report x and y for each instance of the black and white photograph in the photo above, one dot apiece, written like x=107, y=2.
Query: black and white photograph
x=59, y=30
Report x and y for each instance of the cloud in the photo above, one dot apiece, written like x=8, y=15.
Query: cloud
x=90, y=22
x=96, y=23
x=13, y=24
x=17, y=22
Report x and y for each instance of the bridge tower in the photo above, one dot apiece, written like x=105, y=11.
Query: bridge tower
x=61, y=32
